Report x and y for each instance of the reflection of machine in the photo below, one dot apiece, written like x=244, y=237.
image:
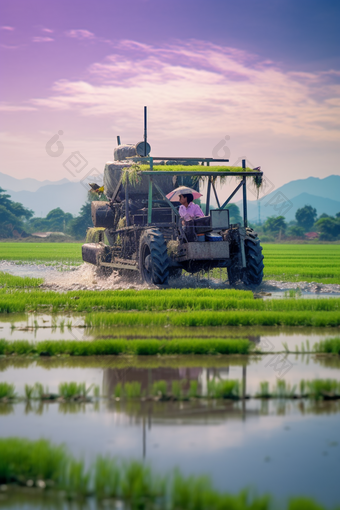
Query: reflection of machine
x=147, y=376
x=143, y=228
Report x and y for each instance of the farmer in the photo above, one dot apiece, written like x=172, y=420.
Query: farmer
x=188, y=210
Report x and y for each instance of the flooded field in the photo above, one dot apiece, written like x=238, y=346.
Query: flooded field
x=284, y=444
x=250, y=443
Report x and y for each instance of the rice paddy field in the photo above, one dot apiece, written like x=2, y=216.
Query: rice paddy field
x=199, y=396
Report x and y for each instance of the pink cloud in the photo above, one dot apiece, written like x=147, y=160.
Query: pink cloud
x=47, y=30
x=42, y=39
x=212, y=84
x=5, y=27
x=80, y=34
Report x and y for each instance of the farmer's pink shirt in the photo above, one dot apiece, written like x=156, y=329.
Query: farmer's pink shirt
x=190, y=212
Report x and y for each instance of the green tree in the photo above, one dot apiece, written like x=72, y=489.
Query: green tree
x=12, y=215
x=306, y=217
x=275, y=225
x=295, y=231
x=329, y=228
x=81, y=223
x=234, y=214
x=56, y=221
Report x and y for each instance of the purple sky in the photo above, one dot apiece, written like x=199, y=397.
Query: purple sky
x=265, y=73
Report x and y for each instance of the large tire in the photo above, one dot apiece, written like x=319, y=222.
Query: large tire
x=234, y=269
x=253, y=273
x=153, y=258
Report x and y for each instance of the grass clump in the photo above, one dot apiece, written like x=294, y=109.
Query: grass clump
x=150, y=347
x=159, y=389
x=329, y=346
x=224, y=389
x=73, y=390
x=7, y=391
x=133, y=484
x=9, y=281
x=132, y=390
x=323, y=389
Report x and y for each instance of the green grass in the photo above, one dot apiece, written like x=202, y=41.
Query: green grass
x=169, y=300
x=66, y=253
x=209, y=318
x=148, y=347
x=329, y=346
x=42, y=464
x=7, y=391
x=302, y=262
x=217, y=389
x=224, y=389
x=10, y=281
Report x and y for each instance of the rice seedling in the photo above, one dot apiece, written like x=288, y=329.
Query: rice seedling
x=193, y=393
x=284, y=390
x=9, y=281
x=44, y=252
x=38, y=391
x=29, y=392
x=176, y=389
x=133, y=484
x=149, y=347
x=78, y=479
x=264, y=390
x=118, y=391
x=73, y=390
x=107, y=477
x=159, y=389
x=7, y=391
x=330, y=346
x=132, y=390
x=22, y=460
x=209, y=318
x=323, y=388
x=224, y=389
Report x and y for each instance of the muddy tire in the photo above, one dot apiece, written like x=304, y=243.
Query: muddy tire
x=253, y=273
x=234, y=270
x=153, y=258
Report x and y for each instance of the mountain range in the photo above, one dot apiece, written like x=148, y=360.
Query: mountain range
x=43, y=196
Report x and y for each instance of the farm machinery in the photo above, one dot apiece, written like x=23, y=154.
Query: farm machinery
x=144, y=232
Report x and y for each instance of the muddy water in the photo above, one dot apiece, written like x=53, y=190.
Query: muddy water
x=88, y=277
x=251, y=443
x=245, y=444
x=109, y=370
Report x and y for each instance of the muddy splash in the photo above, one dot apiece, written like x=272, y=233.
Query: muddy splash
x=88, y=277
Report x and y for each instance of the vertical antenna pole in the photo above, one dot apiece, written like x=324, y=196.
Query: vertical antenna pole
x=145, y=130
x=118, y=140
x=245, y=219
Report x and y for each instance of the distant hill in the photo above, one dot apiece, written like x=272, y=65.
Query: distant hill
x=43, y=196
x=70, y=197
x=8, y=182
x=322, y=194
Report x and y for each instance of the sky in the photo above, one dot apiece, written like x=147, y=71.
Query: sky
x=254, y=79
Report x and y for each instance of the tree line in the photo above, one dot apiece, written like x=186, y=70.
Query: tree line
x=15, y=219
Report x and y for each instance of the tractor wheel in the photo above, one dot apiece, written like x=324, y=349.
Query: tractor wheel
x=253, y=273
x=234, y=270
x=153, y=258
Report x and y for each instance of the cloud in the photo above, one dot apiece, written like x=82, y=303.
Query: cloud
x=195, y=88
x=47, y=30
x=6, y=107
x=42, y=39
x=6, y=27
x=80, y=34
